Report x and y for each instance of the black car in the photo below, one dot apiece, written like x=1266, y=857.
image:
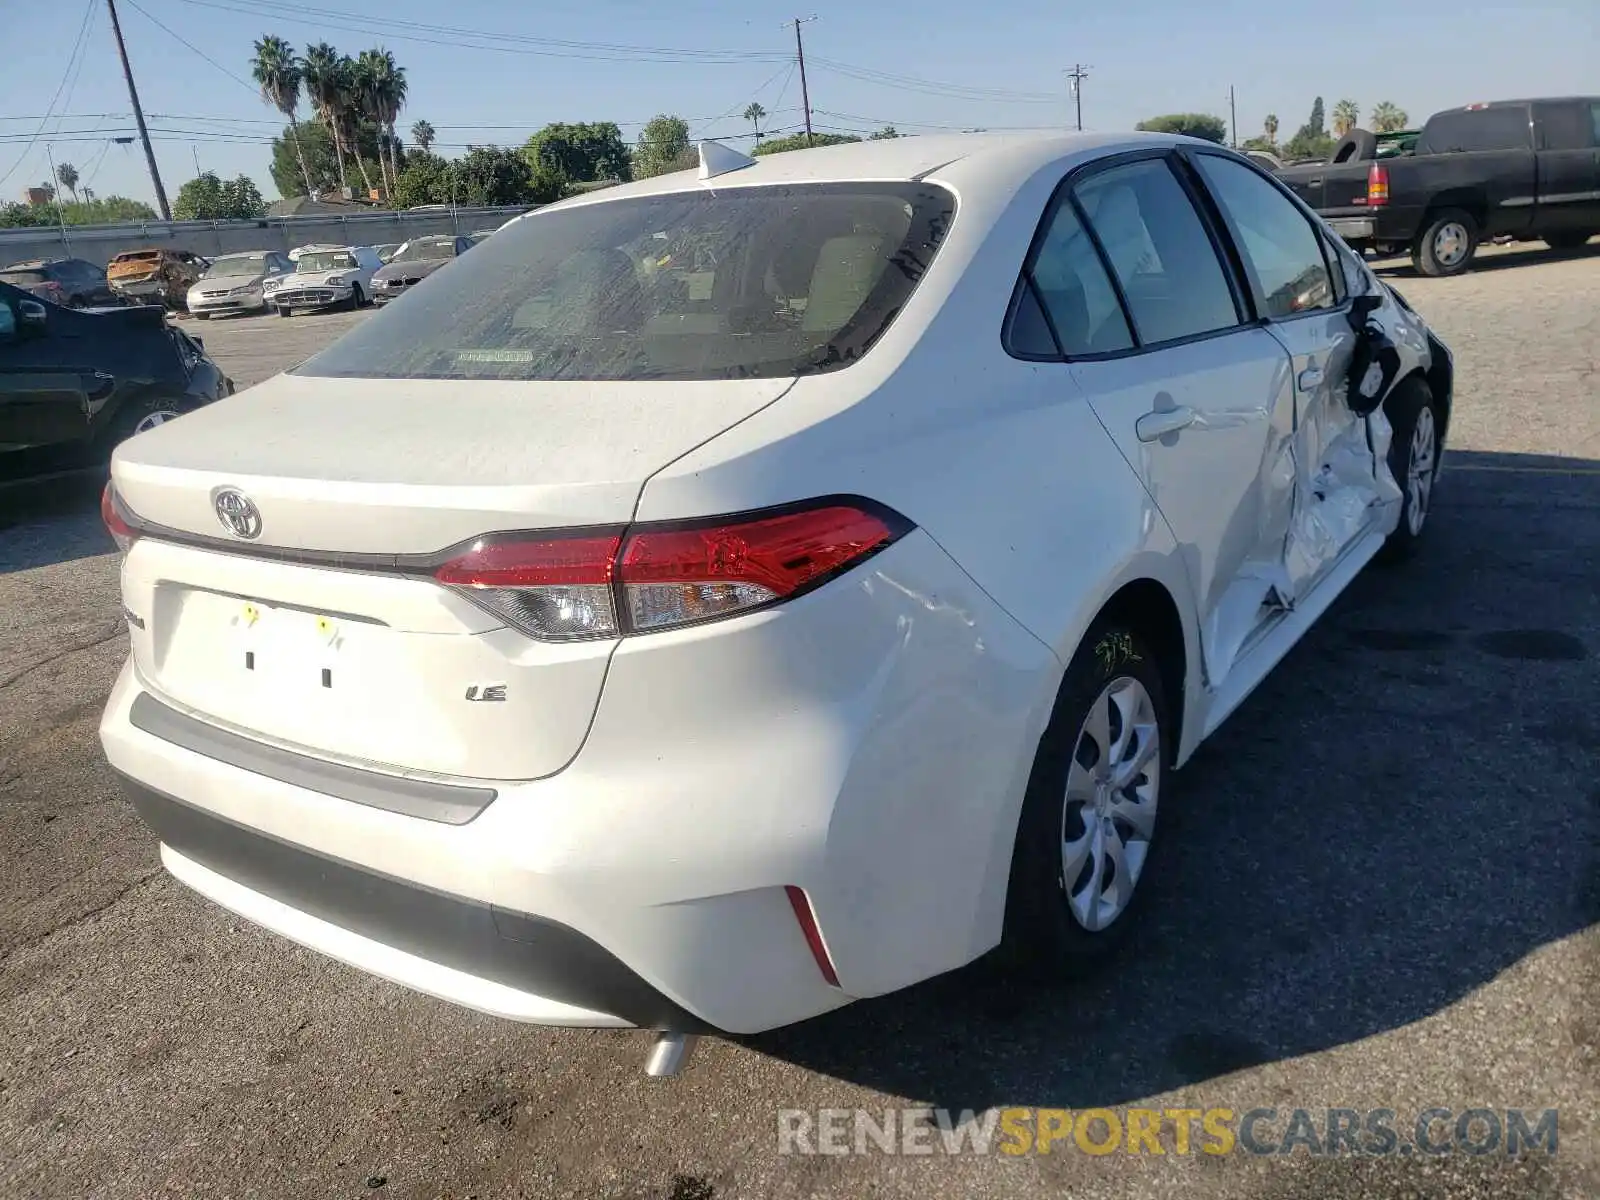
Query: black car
x=74, y=384
x=415, y=261
x=70, y=282
x=1510, y=169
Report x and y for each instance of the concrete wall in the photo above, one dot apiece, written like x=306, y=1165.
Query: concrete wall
x=97, y=243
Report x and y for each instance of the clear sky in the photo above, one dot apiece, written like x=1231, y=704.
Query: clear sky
x=494, y=70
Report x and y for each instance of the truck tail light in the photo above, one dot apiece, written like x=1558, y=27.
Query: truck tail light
x=654, y=577
x=116, y=520
x=1377, y=185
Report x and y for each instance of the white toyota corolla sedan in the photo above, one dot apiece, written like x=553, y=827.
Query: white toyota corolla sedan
x=753, y=589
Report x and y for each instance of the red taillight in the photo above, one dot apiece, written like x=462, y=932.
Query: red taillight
x=1377, y=184
x=603, y=585
x=116, y=524
x=801, y=903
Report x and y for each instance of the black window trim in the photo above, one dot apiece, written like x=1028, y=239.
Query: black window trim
x=1319, y=232
x=1065, y=193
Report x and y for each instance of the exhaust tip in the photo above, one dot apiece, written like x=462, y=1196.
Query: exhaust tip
x=670, y=1054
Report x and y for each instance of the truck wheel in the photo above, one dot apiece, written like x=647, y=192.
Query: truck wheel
x=1568, y=239
x=1446, y=244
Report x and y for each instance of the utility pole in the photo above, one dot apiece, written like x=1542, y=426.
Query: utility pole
x=1233, y=118
x=195, y=150
x=1078, y=74
x=138, y=115
x=800, y=54
x=61, y=218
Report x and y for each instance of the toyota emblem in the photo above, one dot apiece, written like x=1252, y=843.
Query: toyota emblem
x=237, y=512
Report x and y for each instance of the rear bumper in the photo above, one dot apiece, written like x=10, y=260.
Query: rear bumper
x=521, y=966
x=1352, y=229
x=868, y=742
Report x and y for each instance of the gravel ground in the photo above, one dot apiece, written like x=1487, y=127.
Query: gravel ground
x=1387, y=895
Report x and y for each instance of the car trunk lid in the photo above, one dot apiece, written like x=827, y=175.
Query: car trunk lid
x=326, y=632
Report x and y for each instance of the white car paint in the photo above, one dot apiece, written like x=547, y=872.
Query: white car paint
x=308, y=288
x=869, y=741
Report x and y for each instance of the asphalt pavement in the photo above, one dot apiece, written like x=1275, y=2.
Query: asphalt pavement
x=1383, y=892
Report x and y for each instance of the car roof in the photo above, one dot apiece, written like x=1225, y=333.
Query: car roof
x=967, y=161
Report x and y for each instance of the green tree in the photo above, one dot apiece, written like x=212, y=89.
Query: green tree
x=798, y=142
x=208, y=198
x=426, y=179
x=1269, y=129
x=68, y=175
x=580, y=153
x=663, y=146
x=1388, y=117
x=1346, y=116
x=495, y=175
x=423, y=135
x=755, y=114
x=884, y=134
x=277, y=72
x=242, y=199
x=1197, y=125
x=107, y=211
x=1311, y=141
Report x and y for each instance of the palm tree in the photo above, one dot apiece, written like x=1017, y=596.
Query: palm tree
x=350, y=110
x=381, y=85
x=1346, y=114
x=422, y=134
x=1270, y=128
x=320, y=72
x=1387, y=117
x=277, y=71
x=68, y=175
x=755, y=114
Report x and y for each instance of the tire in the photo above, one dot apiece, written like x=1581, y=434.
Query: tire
x=202, y=316
x=1412, y=410
x=1447, y=243
x=285, y=313
x=1358, y=145
x=1569, y=239
x=1051, y=927
x=140, y=416
x=357, y=300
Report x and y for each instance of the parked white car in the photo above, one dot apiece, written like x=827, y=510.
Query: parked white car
x=325, y=277
x=722, y=603
x=236, y=283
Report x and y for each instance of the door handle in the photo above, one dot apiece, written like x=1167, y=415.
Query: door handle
x=1155, y=425
x=1310, y=378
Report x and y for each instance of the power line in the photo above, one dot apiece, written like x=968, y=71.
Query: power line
x=934, y=87
x=178, y=37
x=77, y=47
x=479, y=39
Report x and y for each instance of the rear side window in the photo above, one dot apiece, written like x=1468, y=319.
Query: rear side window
x=1283, y=256
x=1074, y=297
x=24, y=278
x=1159, y=251
x=1568, y=126
x=712, y=284
x=1478, y=129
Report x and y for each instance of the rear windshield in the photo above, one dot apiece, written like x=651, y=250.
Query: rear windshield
x=137, y=256
x=23, y=278
x=727, y=284
x=426, y=249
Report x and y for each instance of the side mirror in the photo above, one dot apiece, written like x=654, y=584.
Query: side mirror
x=32, y=317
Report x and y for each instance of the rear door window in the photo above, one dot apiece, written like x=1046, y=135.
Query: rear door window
x=1565, y=125
x=1469, y=130
x=1159, y=251
x=727, y=284
x=1073, y=295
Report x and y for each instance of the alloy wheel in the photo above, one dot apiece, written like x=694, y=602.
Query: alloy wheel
x=1450, y=242
x=151, y=419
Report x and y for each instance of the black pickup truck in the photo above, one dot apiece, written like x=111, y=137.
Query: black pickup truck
x=1523, y=169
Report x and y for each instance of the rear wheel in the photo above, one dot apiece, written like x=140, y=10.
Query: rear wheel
x=1446, y=244
x=1413, y=460
x=1088, y=824
x=142, y=416
x=284, y=312
x=357, y=300
x=1567, y=239
x=200, y=316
